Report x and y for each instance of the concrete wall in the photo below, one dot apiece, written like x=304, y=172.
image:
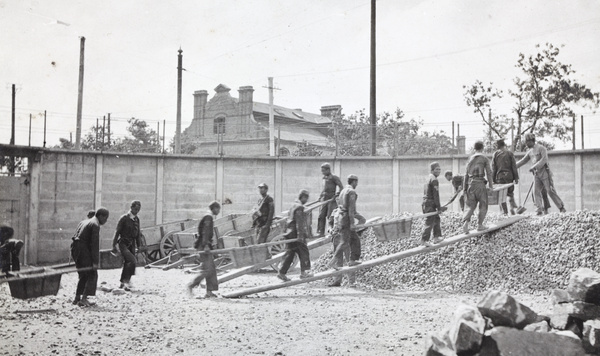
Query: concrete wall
x=66, y=184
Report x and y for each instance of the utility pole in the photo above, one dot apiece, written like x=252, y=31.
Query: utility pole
x=373, y=100
x=453, y=134
x=12, y=116
x=108, y=123
x=80, y=94
x=271, y=120
x=164, y=137
x=45, y=130
x=582, y=143
x=103, y=130
x=178, y=124
x=97, y=129
x=29, y=130
x=574, y=132
x=158, y=137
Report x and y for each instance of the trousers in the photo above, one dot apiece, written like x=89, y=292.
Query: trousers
x=128, y=253
x=476, y=194
x=262, y=232
x=432, y=223
x=208, y=271
x=295, y=248
x=88, y=277
x=348, y=239
x=324, y=214
x=543, y=180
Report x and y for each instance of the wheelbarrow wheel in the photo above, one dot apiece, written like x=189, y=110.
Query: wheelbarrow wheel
x=149, y=255
x=277, y=249
x=167, y=244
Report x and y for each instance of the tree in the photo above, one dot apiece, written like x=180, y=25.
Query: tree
x=480, y=97
x=544, y=96
x=395, y=136
x=306, y=149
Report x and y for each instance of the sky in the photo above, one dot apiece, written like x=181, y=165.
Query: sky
x=317, y=52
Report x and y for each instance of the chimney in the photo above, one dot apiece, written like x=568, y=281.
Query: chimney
x=461, y=144
x=331, y=111
x=200, y=97
x=245, y=100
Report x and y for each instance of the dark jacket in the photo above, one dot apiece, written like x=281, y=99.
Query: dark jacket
x=504, y=167
x=297, y=227
x=330, y=184
x=86, y=242
x=266, y=207
x=431, y=193
x=128, y=230
x=205, y=232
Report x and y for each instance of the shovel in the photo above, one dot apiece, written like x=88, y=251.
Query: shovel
x=522, y=208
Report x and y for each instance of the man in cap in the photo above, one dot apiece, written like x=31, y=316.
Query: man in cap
x=263, y=214
x=478, y=173
x=297, y=229
x=329, y=187
x=127, y=240
x=431, y=203
x=204, y=243
x=538, y=155
x=457, y=182
x=504, y=170
x=85, y=251
x=348, y=235
x=334, y=224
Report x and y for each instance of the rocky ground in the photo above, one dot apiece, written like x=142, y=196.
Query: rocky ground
x=156, y=319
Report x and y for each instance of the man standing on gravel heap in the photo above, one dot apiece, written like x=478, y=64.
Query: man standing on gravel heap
x=330, y=184
x=348, y=235
x=208, y=270
x=541, y=171
x=478, y=169
x=85, y=251
x=431, y=203
x=504, y=170
x=297, y=229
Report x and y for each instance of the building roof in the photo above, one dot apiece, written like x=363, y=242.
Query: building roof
x=299, y=134
x=261, y=109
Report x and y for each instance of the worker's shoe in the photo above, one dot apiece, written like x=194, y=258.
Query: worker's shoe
x=426, y=243
x=465, y=227
x=563, y=210
x=512, y=211
x=306, y=274
x=540, y=212
x=210, y=294
x=283, y=277
x=545, y=211
x=84, y=302
x=127, y=286
x=354, y=263
x=335, y=284
x=76, y=300
x=437, y=240
x=482, y=228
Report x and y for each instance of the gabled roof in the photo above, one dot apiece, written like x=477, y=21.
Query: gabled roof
x=299, y=134
x=290, y=114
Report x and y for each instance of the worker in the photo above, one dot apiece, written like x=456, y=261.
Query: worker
x=263, y=214
x=127, y=241
x=297, y=229
x=457, y=182
x=334, y=232
x=538, y=155
x=348, y=235
x=329, y=191
x=85, y=251
x=478, y=173
x=504, y=171
x=205, y=243
x=431, y=203
x=10, y=248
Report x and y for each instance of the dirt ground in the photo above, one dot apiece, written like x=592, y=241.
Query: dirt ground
x=158, y=319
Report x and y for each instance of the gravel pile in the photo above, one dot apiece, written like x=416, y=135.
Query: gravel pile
x=532, y=255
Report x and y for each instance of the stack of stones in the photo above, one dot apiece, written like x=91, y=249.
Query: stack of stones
x=500, y=325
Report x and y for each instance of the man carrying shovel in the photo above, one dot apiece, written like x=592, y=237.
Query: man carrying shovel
x=478, y=169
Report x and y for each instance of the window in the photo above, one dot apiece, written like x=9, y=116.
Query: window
x=219, y=126
x=283, y=151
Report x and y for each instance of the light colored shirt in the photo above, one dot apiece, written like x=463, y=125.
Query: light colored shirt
x=538, y=155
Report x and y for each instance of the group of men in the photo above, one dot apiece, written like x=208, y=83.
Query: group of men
x=480, y=177
x=86, y=246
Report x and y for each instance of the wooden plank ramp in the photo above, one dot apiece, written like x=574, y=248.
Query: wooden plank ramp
x=378, y=261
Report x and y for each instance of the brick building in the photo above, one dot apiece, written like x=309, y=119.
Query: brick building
x=240, y=126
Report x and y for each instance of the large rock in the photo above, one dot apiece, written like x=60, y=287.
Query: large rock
x=540, y=327
x=505, y=341
x=466, y=329
x=579, y=310
x=560, y=296
x=439, y=346
x=591, y=336
x=504, y=310
x=584, y=285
